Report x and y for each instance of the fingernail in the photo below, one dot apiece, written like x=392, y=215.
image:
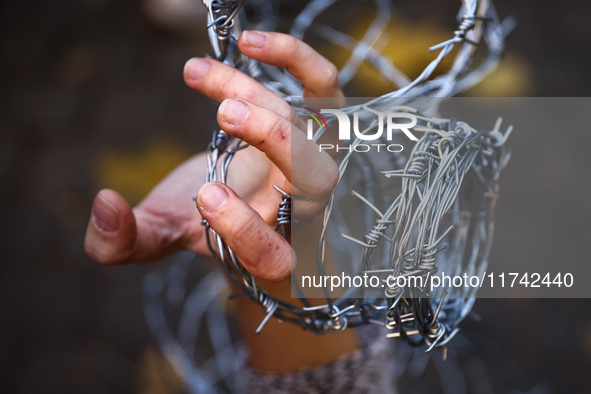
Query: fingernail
x=104, y=215
x=234, y=111
x=254, y=39
x=211, y=197
x=195, y=68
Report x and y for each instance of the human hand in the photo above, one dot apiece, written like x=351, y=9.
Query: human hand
x=166, y=220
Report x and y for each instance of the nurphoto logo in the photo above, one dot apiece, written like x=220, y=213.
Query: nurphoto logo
x=390, y=122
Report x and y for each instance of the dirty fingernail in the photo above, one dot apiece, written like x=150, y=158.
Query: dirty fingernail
x=211, y=197
x=196, y=68
x=234, y=111
x=254, y=39
x=104, y=215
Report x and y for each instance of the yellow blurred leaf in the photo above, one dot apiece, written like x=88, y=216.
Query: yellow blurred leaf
x=406, y=44
x=511, y=78
x=133, y=173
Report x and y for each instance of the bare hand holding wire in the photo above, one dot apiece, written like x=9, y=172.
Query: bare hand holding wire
x=166, y=220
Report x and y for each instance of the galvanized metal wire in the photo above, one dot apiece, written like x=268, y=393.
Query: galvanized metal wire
x=440, y=217
x=434, y=174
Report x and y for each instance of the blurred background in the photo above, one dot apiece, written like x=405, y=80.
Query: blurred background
x=92, y=96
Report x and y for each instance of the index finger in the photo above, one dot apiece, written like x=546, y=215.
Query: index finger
x=220, y=81
x=315, y=174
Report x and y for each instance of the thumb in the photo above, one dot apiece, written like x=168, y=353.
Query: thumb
x=111, y=235
x=117, y=234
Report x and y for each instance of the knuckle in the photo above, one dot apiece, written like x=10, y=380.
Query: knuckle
x=240, y=231
x=279, y=130
x=225, y=79
x=261, y=254
x=294, y=47
x=236, y=84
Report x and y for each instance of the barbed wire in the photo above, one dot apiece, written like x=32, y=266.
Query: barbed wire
x=447, y=186
x=434, y=174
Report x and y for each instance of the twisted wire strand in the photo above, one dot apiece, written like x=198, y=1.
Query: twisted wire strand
x=221, y=16
x=425, y=228
x=431, y=183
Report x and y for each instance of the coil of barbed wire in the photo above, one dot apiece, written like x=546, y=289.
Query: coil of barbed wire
x=448, y=187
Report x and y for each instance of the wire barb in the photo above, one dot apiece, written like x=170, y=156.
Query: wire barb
x=445, y=192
